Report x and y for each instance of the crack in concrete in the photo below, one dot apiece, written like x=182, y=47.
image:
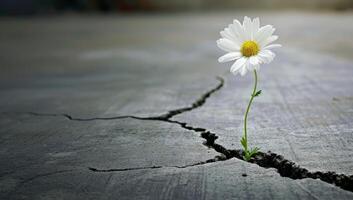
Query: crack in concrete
x=123, y=169
x=287, y=168
x=198, y=103
x=69, y=117
x=284, y=167
x=216, y=159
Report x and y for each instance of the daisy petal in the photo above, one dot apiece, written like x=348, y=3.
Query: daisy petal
x=243, y=71
x=254, y=60
x=247, y=24
x=264, y=33
x=269, y=40
x=248, y=65
x=237, y=65
x=255, y=27
x=228, y=34
x=269, y=52
x=266, y=56
x=261, y=30
x=271, y=46
x=229, y=57
x=237, y=29
x=227, y=45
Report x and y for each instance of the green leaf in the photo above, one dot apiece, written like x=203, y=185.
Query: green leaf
x=246, y=157
x=257, y=93
x=254, y=151
x=249, y=154
x=244, y=143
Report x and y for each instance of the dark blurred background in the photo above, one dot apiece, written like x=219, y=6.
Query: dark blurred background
x=13, y=7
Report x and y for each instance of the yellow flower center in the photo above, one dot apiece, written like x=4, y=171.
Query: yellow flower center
x=249, y=48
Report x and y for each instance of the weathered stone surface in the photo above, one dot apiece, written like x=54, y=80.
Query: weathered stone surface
x=33, y=147
x=221, y=180
x=304, y=112
x=58, y=70
x=29, y=141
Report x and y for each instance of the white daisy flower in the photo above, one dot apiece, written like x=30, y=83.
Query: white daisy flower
x=247, y=44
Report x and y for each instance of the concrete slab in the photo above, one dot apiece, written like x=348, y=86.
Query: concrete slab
x=58, y=69
x=221, y=180
x=304, y=112
x=29, y=141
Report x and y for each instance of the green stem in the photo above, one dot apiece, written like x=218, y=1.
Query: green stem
x=247, y=111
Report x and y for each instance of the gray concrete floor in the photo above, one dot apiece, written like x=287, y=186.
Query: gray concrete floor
x=68, y=85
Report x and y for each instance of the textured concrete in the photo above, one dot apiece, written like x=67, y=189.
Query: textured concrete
x=220, y=180
x=91, y=108
x=303, y=113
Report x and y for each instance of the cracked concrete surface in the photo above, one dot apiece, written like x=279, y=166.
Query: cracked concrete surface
x=121, y=117
x=296, y=115
x=217, y=158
